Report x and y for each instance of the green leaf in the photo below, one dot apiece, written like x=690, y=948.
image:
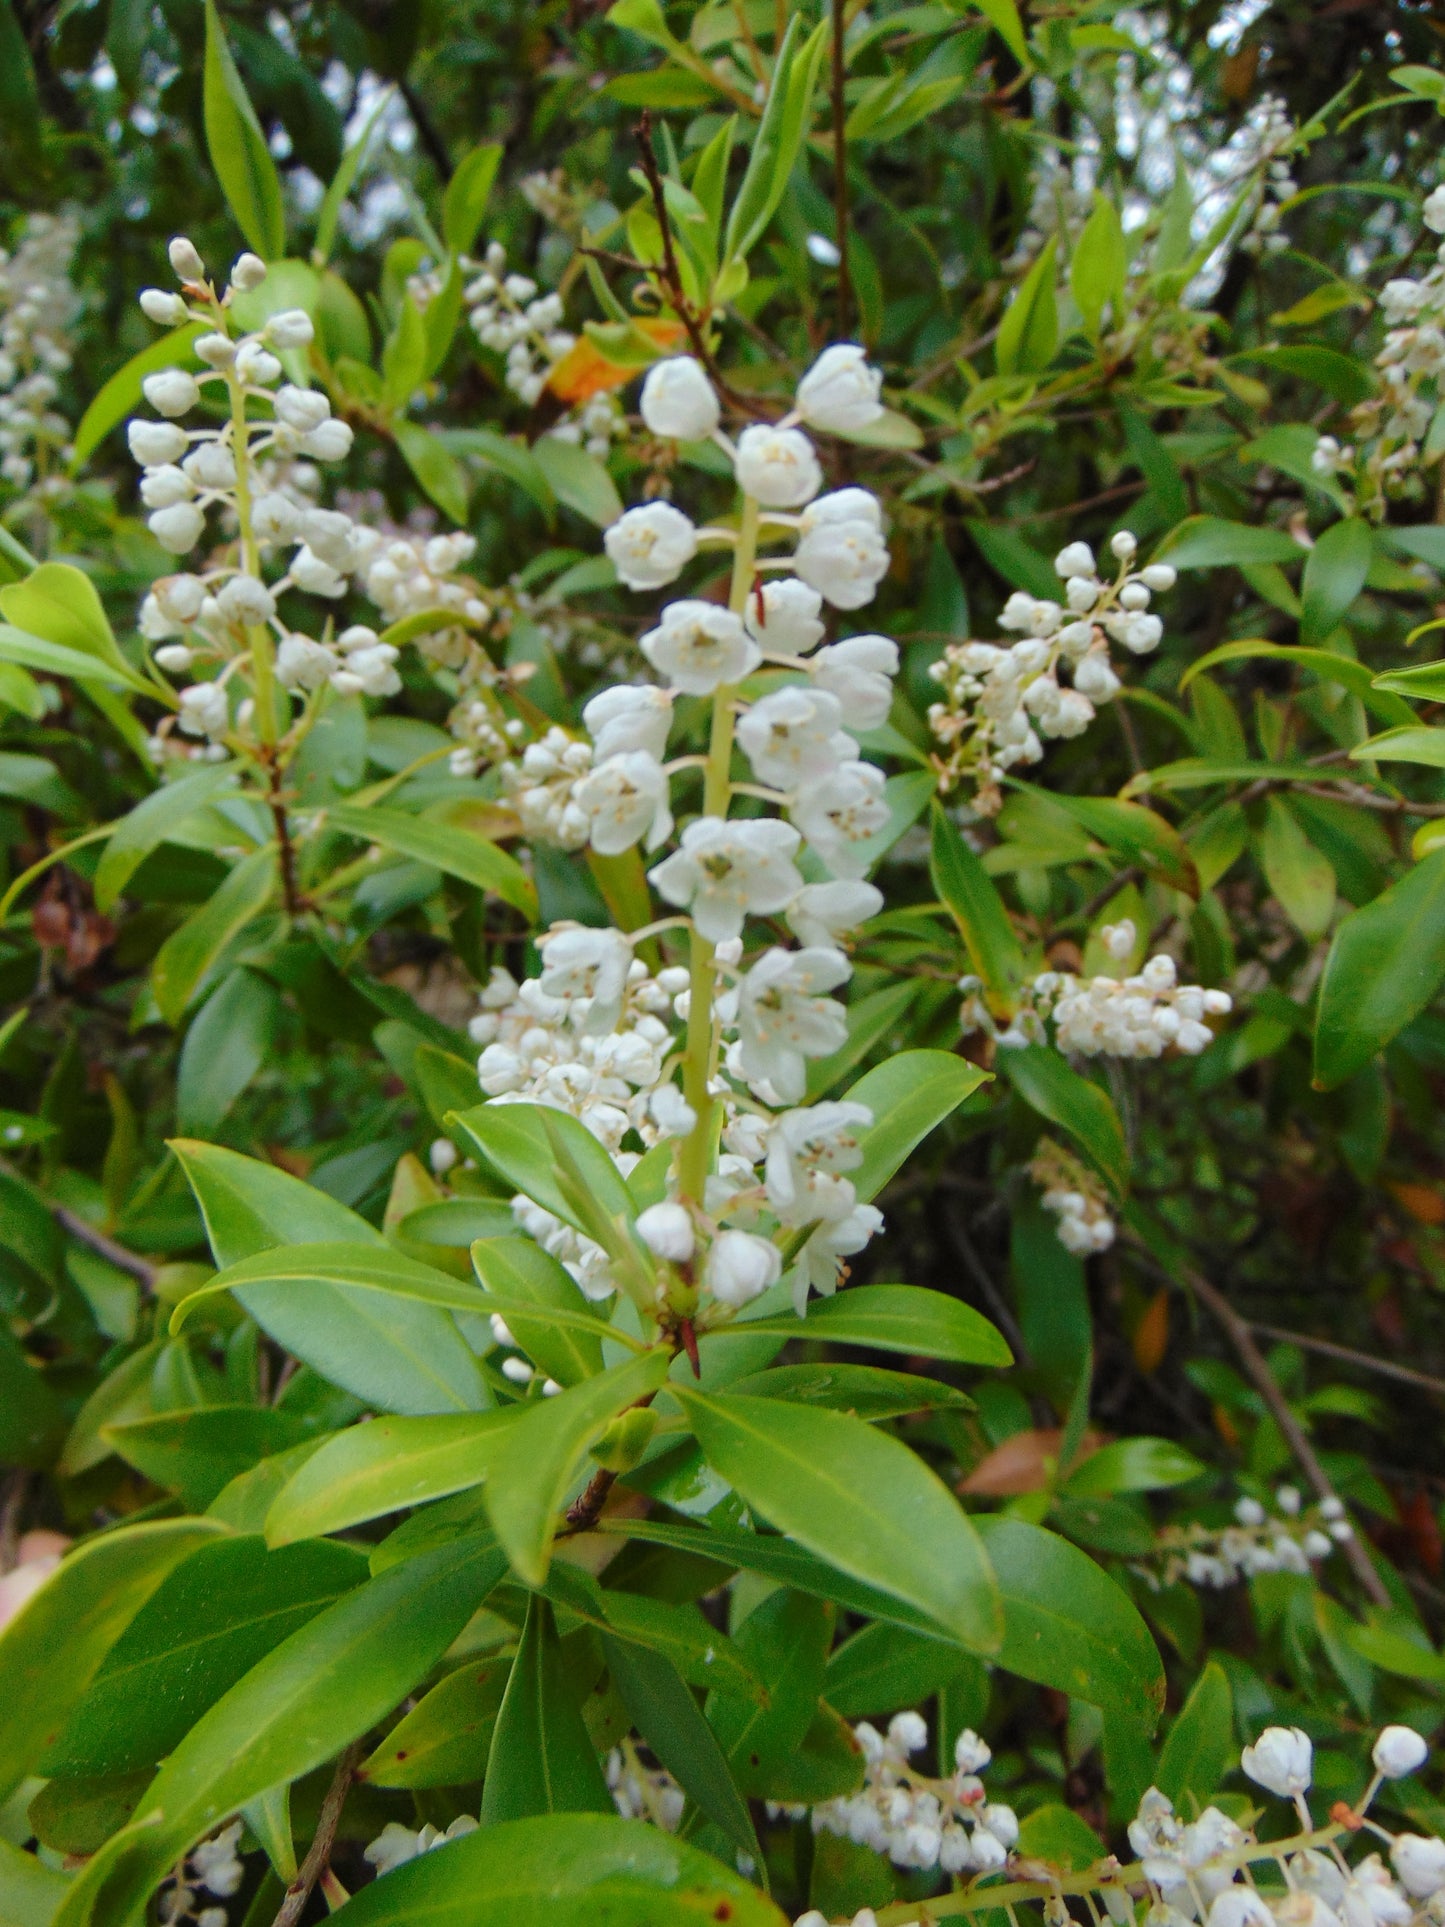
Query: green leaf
x=883, y=1667
x=857, y=1498
x=389, y=1463
x=702, y=1655
x=51, y=659
x=1385, y=964
x=864, y=1390
x=467, y=194
x=1140, y=834
x=564, y=1870
x=1327, y=664
x=1067, y=1625
x=237, y=145
x=147, y=826
x=457, y=852
x=542, y=1759
x=578, y=480
x=786, y=119
x=190, y=951
x=1003, y=17
x=909, y=1096
x=445, y=1739
x=121, y=395
x=250, y=1206
x=890, y=1318
x=1028, y=335
x=1425, y=682
x=341, y=183
x=60, y=605
x=1301, y=876
x=1050, y=1085
x=1208, y=542
x=218, y=1613
x=663, y=1710
x=1200, y=1747
x=1335, y=572
x=1056, y=1834
x=319, y=1689
x=29, y=1892
x=53, y=1648
x=1133, y=1465
x=196, y=1452
x=536, y=1462
x=228, y=1042
x=519, y=1270
x=1096, y=273
x=1406, y=745
x=32, y=779
x=786, y=1639
x=977, y=908
x=433, y=465
x=556, y=1161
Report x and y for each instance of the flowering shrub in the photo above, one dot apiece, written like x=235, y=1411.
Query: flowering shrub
x=722, y=940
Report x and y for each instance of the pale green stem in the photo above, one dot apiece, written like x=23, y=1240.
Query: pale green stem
x=258, y=635
x=695, y=1152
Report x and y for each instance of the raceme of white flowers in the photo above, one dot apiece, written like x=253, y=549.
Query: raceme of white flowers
x=1000, y=700
x=662, y=1054
x=1391, y=426
x=37, y=306
x=214, y=1867
x=1201, y=1869
x=1074, y=1198
x=1291, y=1538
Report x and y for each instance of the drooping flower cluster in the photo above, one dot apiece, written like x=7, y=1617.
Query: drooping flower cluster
x=1390, y=426
x=644, y=1792
x=214, y=1867
x=1074, y=1197
x=1001, y=700
x=38, y=304
x=1292, y=1538
x=396, y=1844
x=511, y=316
x=918, y=1821
x=1143, y=1015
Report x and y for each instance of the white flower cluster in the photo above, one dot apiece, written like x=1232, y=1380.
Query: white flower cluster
x=37, y=306
x=1273, y=133
x=917, y=1821
x=1074, y=1197
x=514, y=319
x=396, y=1844
x=1290, y=1539
x=1390, y=426
x=644, y=1792
x=1143, y=1015
x=1001, y=700
x=214, y=1867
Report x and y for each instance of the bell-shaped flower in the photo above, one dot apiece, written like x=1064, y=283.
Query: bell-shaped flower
x=859, y=672
x=724, y=871
x=629, y=716
x=783, y=1017
x=1282, y=1758
x=678, y=401
x=793, y=737
x=839, y=393
x=650, y=546
x=700, y=646
x=808, y=1151
x=841, y=552
x=782, y=616
x=839, y=814
x=588, y=964
x=777, y=466
x=625, y=800
x=740, y=1266
x=821, y=912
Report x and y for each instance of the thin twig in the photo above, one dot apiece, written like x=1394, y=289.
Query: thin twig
x=318, y=1857
x=1327, y=1348
x=840, y=166
x=586, y=1509
x=1134, y=874
x=1254, y=1362
x=86, y=1234
x=992, y=1296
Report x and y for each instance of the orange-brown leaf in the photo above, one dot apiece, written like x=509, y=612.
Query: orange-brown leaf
x=584, y=371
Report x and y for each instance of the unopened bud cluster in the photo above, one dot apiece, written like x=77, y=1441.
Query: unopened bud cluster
x=1075, y=1198
x=1293, y=1537
x=37, y=306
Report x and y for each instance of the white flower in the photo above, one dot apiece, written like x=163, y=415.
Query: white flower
x=792, y=737
x=211, y=465
x=302, y=663
x=152, y=443
x=822, y=911
x=177, y=528
x=625, y=798
x=1433, y=210
x=1420, y=1863
x=249, y=272
x=162, y=488
x=700, y=646
x=839, y=393
x=740, y=1267
x=842, y=553
x=591, y=964
x=783, y=617
x=777, y=466
x=783, y=1018
x=839, y=814
x=860, y=672
x=725, y=871
x=1281, y=1761
x=678, y=400
x=1371, y=1898
x=301, y=408
x=1239, y=1907
x=1399, y=1749
x=331, y=442
x=651, y=545
x=172, y=392
x=629, y=716
x=667, y=1231
x=275, y=518
x=819, y=1260
x=1077, y=558
x=290, y=329
x=216, y=1864
x=808, y=1151
x=245, y=600
x=671, y=1112
x=970, y=1753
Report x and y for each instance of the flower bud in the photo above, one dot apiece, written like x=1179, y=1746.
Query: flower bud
x=185, y=259
x=290, y=329
x=1420, y=1863
x=839, y=393
x=171, y=392
x=1398, y=1751
x=667, y=1231
x=249, y=272
x=1281, y=1761
x=1123, y=545
x=167, y=310
x=678, y=400
x=153, y=444
x=740, y=1267
x=175, y=658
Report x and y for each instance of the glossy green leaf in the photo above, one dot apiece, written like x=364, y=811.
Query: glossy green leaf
x=467, y=194
x=219, y=1612
x=54, y=1646
x=369, y=1470
x=444, y=481
x=229, y=1040
x=578, y=480
x=538, y=1458
x=197, y=1452
x=1199, y=1748
x=857, y=1498
x=519, y=1270
x=1208, y=542
x=1133, y=1465
x=1409, y=744
x=148, y=825
x=190, y=951
x=556, y=1162
x=1385, y=964
x=786, y=1639
x=319, y=1689
x=863, y=1390
x=1057, y=1835
x=53, y=659
x=891, y=1318
x=542, y=1758
x=1096, y=273
x=1028, y=335
x=779, y=138
x=967, y=889
x=1335, y=572
x=1301, y=876
x=445, y=1739
x=702, y=1655
x=238, y=149
x=1140, y=834
x=909, y=1095
x=566, y=1870
x=1327, y=664
x=458, y=852
x=883, y=1667
x=1050, y=1085
x=30, y=1892
x=61, y=604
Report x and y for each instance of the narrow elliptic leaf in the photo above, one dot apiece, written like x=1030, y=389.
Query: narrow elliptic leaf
x=1050, y=1085
x=189, y=952
x=977, y=908
x=891, y=1318
x=909, y=1096
x=542, y=1759
x=1200, y=1743
x=857, y=1498
x=237, y=145
x=1384, y=966
x=519, y=1270
x=390, y=1463
x=557, y=1163
x=786, y=1638
x=198, y=1450
x=445, y=1738
x=458, y=852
